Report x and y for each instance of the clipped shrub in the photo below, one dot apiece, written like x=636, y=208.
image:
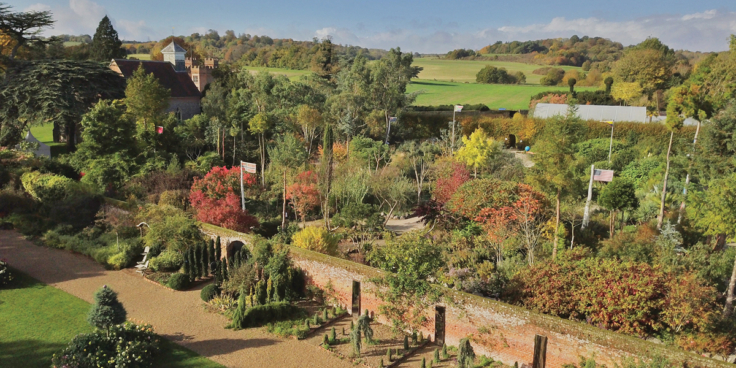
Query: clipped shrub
x=436, y=357
x=208, y=292
x=178, y=281
x=406, y=343
x=49, y=187
x=317, y=239
x=168, y=260
x=263, y=314
x=465, y=354
x=326, y=341
x=107, y=310
x=333, y=335
x=127, y=345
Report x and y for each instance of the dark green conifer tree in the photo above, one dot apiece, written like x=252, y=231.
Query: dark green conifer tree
x=107, y=310
x=106, y=45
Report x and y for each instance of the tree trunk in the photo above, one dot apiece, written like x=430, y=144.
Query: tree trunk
x=660, y=218
x=728, y=308
x=557, y=224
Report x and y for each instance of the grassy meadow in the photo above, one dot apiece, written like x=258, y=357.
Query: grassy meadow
x=38, y=320
x=140, y=56
x=292, y=74
x=465, y=70
x=495, y=96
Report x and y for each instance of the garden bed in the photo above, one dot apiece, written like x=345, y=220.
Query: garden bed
x=371, y=353
x=297, y=327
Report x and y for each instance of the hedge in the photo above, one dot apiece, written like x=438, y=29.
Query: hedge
x=262, y=314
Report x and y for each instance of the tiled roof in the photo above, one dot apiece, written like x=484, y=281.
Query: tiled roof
x=173, y=47
x=178, y=83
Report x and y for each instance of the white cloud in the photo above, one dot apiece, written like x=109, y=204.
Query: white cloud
x=705, y=31
x=37, y=7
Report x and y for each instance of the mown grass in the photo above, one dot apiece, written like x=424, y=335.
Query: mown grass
x=140, y=56
x=495, y=96
x=465, y=70
x=37, y=320
x=292, y=74
x=44, y=133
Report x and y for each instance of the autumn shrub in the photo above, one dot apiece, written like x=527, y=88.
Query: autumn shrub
x=317, y=239
x=304, y=193
x=448, y=178
x=216, y=199
x=625, y=296
x=50, y=187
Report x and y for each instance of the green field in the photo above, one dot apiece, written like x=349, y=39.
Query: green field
x=495, y=96
x=37, y=320
x=292, y=74
x=140, y=56
x=465, y=70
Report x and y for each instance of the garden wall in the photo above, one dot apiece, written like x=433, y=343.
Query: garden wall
x=499, y=330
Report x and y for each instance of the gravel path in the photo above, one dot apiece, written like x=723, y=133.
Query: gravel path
x=175, y=315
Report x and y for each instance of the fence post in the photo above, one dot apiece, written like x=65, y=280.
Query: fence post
x=540, y=351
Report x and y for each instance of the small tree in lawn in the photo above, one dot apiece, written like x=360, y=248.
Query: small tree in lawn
x=465, y=354
x=304, y=193
x=107, y=310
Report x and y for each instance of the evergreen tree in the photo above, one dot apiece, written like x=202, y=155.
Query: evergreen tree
x=333, y=335
x=444, y=352
x=211, y=254
x=406, y=343
x=364, y=324
x=195, y=262
x=107, y=310
x=465, y=354
x=192, y=264
x=424, y=363
x=225, y=274
x=389, y=355
x=218, y=250
x=355, y=340
x=202, y=250
x=187, y=264
x=239, y=314
x=436, y=358
x=106, y=45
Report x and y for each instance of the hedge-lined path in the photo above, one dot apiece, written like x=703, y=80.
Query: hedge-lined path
x=175, y=315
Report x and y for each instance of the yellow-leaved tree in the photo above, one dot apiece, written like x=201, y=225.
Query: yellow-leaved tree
x=478, y=150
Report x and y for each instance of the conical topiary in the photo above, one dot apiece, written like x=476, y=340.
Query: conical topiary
x=389, y=356
x=444, y=351
x=333, y=336
x=324, y=315
x=436, y=355
x=380, y=364
x=406, y=343
x=413, y=337
x=326, y=341
x=355, y=340
x=239, y=315
x=211, y=254
x=424, y=363
x=107, y=310
x=421, y=337
x=218, y=250
x=465, y=354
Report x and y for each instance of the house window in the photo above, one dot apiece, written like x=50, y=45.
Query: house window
x=195, y=79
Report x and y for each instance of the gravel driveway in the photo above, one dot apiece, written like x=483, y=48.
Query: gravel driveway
x=175, y=315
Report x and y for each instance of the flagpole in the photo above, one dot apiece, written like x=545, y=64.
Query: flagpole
x=610, y=146
x=242, y=190
x=586, y=214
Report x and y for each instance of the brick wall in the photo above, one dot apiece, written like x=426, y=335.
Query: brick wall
x=499, y=330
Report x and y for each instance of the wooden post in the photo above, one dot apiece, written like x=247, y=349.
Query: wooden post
x=540, y=351
x=283, y=209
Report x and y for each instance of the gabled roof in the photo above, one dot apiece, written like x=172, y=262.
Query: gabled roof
x=173, y=47
x=178, y=83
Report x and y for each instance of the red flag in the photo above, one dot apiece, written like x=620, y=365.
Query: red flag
x=159, y=129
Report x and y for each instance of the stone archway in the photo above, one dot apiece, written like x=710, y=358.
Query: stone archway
x=234, y=247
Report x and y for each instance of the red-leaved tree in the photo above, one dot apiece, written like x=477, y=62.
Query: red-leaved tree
x=448, y=181
x=304, y=193
x=216, y=199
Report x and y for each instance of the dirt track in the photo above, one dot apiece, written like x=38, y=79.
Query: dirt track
x=176, y=315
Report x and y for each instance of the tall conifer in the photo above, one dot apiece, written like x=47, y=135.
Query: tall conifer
x=106, y=45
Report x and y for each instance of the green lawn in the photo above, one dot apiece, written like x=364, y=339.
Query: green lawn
x=289, y=73
x=44, y=133
x=465, y=70
x=37, y=320
x=140, y=56
x=495, y=96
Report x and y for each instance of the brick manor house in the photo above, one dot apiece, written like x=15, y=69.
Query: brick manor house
x=185, y=77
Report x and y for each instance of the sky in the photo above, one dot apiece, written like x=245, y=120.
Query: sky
x=425, y=26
